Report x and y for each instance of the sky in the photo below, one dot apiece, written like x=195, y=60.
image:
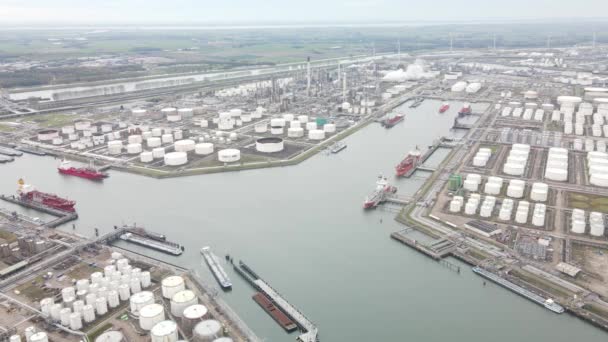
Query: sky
x=231, y=12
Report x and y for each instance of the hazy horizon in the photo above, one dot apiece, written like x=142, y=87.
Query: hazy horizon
x=277, y=12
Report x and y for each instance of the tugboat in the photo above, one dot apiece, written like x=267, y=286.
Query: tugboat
x=84, y=172
x=408, y=165
x=27, y=193
x=465, y=110
x=383, y=188
x=444, y=107
x=390, y=122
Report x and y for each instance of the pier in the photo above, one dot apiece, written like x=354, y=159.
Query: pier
x=162, y=246
x=440, y=143
x=437, y=249
x=310, y=331
x=62, y=216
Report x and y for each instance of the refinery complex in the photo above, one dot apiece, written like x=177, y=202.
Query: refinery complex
x=519, y=196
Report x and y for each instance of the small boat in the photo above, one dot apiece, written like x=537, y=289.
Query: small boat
x=465, y=110
x=444, y=107
x=337, y=147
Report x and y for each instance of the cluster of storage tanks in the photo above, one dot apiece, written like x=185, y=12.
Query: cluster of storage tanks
x=579, y=223
x=233, y=118
x=589, y=145
x=557, y=164
x=598, y=168
x=174, y=114
x=517, y=160
x=526, y=111
x=94, y=297
x=461, y=86
x=505, y=213
x=297, y=127
x=80, y=135
x=573, y=112
x=481, y=157
x=31, y=335
x=184, y=306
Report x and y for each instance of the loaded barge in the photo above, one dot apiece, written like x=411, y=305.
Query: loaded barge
x=218, y=271
x=548, y=303
x=152, y=243
x=279, y=316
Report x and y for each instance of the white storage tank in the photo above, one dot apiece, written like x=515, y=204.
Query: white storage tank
x=311, y=126
x=75, y=321
x=277, y=122
x=229, y=155
x=176, y=158
x=134, y=148
x=276, y=130
x=114, y=147
x=203, y=148
x=172, y=285
x=207, y=331
x=150, y=315
x=157, y=132
x=40, y=336
x=165, y=331
x=329, y=128
x=154, y=142
x=167, y=138
x=144, y=277
x=56, y=312
x=192, y=315
x=158, y=152
x=578, y=221
x=101, y=306
x=184, y=145
x=124, y=292
x=111, y=336
x=88, y=313
x=539, y=192
x=181, y=300
x=139, y=300
x=295, y=132
x=260, y=128
x=185, y=112
x=113, y=298
x=269, y=145
x=146, y=157
x=316, y=134
x=64, y=316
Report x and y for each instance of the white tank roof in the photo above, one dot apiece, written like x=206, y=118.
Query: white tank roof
x=164, y=328
x=195, y=311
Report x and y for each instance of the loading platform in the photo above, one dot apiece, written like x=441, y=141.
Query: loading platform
x=309, y=330
x=437, y=249
x=442, y=142
x=62, y=216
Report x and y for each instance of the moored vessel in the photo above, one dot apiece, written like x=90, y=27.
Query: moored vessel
x=444, y=107
x=408, y=164
x=90, y=172
x=383, y=188
x=27, y=193
x=218, y=271
x=465, y=110
x=390, y=122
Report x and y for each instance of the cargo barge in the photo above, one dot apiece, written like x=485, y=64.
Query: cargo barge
x=277, y=314
x=218, y=271
x=337, y=147
x=548, y=303
x=162, y=246
x=417, y=102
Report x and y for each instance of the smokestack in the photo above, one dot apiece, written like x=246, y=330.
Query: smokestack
x=308, y=76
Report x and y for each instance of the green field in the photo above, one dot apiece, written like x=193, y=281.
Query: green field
x=588, y=202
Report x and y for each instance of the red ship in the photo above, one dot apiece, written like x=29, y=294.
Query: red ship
x=84, y=172
x=379, y=195
x=444, y=107
x=27, y=193
x=408, y=164
x=466, y=109
x=388, y=123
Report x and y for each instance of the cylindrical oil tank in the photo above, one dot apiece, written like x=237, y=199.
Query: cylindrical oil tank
x=124, y=292
x=186, y=112
x=277, y=122
x=145, y=279
x=539, y=192
x=556, y=174
x=165, y=331
x=521, y=216
x=75, y=321
x=158, y=152
x=176, y=158
x=134, y=148
x=139, y=300
x=150, y=315
x=184, y=145
x=56, y=312
x=260, y=128
x=329, y=128
x=88, y=313
x=96, y=277
x=276, y=130
x=316, y=134
x=203, y=148
x=135, y=285
x=45, y=306
x=101, y=306
x=192, y=315
x=167, y=138
x=68, y=292
x=172, y=285
x=295, y=132
x=114, y=147
x=113, y=298
x=181, y=300
x=82, y=284
x=207, y=331
x=29, y=331
x=229, y=155
x=135, y=139
x=40, y=336
x=64, y=316
x=269, y=145
x=311, y=126
x=90, y=298
x=146, y=157
x=157, y=132
x=78, y=305
x=111, y=336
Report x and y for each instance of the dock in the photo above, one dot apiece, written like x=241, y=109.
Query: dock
x=7, y=151
x=161, y=246
x=548, y=304
x=437, y=249
x=31, y=150
x=6, y=159
x=309, y=330
x=62, y=216
x=440, y=143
